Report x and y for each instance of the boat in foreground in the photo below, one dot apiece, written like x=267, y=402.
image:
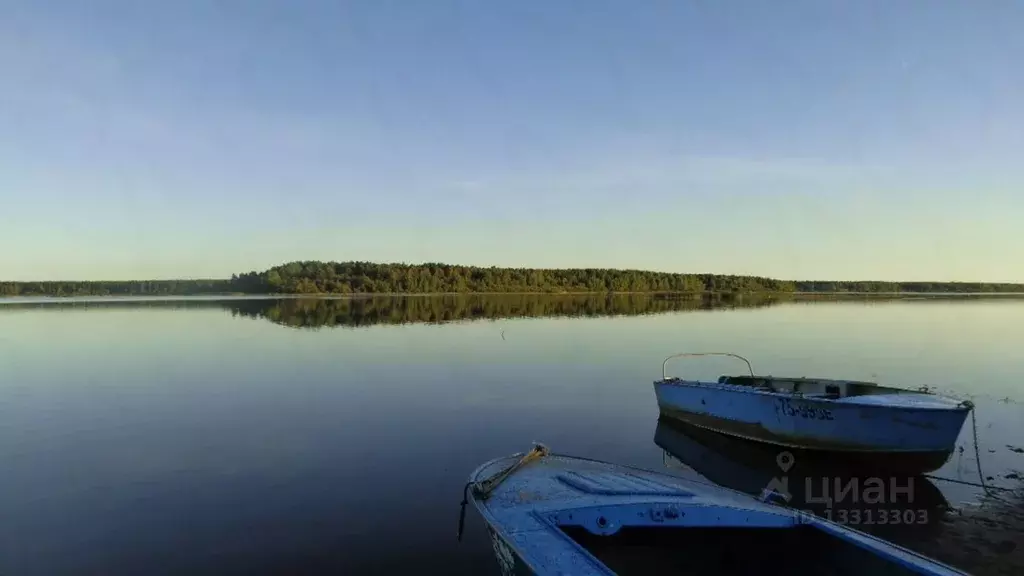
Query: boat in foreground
x=818, y=414
x=556, y=514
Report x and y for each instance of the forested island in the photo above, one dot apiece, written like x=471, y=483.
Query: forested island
x=314, y=277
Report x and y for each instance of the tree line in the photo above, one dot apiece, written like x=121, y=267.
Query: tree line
x=912, y=287
x=371, y=278
x=117, y=288
x=314, y=277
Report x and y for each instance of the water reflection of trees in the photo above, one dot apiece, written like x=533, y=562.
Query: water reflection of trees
x=366, y=311
x=322, y=312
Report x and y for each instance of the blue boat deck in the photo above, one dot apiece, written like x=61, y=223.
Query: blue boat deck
x=564, y=515
x=912, y=400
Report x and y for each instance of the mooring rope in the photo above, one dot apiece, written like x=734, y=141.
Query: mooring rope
x=483, y=488
x=967, y=483
x=977, y=453
x=977, y=459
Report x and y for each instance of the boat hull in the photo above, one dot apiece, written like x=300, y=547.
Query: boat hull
x=510, y=562
x=927, y=433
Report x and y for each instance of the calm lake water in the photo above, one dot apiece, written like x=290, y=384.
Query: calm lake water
x=334, y=436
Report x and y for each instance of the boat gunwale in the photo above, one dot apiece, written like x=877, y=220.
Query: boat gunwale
x=475, y=475
x=960, y=407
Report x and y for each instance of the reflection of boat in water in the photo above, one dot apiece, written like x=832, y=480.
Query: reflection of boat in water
x=830, y=489
x=555, y=514
x=858, y=419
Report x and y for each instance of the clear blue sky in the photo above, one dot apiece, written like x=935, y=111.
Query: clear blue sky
x=817, y=139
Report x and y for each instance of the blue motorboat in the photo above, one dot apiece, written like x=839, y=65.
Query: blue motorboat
x=553, y=514
x=818, y=414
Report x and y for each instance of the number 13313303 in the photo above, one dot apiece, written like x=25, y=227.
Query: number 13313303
x=877, y=516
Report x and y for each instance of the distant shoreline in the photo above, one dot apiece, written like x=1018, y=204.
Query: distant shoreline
x=365, y=295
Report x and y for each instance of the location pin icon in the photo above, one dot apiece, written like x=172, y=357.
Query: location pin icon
x=785, y=461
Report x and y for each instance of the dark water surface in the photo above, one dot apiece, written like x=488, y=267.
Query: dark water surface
x=256, y=436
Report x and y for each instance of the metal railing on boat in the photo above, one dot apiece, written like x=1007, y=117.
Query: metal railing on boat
x=664, y=374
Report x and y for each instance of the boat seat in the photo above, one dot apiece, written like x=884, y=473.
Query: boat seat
x=752, y=381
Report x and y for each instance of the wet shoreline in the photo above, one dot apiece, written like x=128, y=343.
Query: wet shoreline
x=986, y=539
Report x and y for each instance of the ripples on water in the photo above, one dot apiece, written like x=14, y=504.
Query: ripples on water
x=210, y=436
